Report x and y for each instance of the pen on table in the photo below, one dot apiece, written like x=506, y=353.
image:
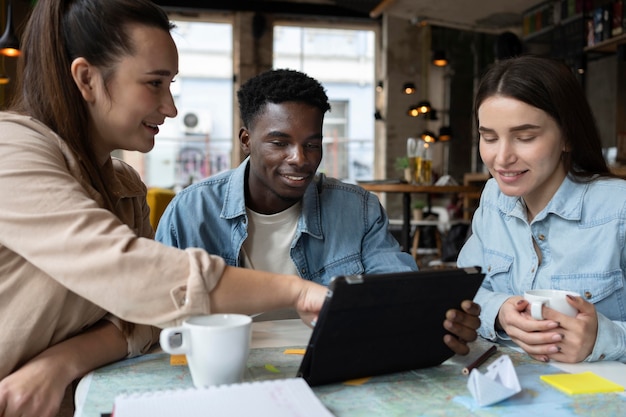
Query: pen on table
x=480, y=360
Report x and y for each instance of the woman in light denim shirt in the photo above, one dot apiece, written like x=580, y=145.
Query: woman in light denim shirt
x=553, y=216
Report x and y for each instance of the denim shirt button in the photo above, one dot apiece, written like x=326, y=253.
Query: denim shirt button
x=542, y=237
x=489, y=268
x=588, y=295
x=602, y=357
x=303, y=271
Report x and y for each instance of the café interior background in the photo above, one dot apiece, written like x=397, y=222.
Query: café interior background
x=365, y=52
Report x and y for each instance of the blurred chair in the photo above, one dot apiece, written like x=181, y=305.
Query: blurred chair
x=158, y=199
x=438, y=219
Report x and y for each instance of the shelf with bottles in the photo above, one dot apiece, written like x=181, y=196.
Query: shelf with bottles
x=608, y=46
x=546, y=34
x=605, y=27
x=539, y=22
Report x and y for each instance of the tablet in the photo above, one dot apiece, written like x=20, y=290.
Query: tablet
x=377, y=324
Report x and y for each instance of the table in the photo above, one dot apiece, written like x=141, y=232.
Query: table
x=432, y=392
x=408, y=189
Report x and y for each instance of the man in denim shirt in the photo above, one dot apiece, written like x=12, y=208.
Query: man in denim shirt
x=553, y=216
x=276, y=213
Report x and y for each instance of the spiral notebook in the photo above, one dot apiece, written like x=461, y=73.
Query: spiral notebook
x=273, y=398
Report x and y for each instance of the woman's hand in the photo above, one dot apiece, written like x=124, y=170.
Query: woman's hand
x=462, y=324
x=34, y=390
x=578, y=334
x=557, y=337
x=310, y=300
x=37, y=388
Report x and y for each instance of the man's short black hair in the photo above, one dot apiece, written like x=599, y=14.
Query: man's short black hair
x=278, y=86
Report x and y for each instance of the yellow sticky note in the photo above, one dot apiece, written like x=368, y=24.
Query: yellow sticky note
x=357, y=382
x=178, y=360
x=582, y=383
x=294, y=351
x=272, y=368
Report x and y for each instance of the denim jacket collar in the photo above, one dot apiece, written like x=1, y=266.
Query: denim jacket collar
x=310, y=221
x=566, y=202
x=235, y=196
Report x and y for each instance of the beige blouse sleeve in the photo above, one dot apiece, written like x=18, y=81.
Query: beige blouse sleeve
x=50, y=218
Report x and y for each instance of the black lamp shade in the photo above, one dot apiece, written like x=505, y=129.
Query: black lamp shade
x=428, y=136
x=439, y=58
x=9, y=43
x=445, y=133
x=424, y=106
x=409, y=88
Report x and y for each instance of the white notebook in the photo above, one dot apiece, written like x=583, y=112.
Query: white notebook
x=290, y=397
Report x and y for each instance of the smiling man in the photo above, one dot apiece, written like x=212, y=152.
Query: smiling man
x=275, y=212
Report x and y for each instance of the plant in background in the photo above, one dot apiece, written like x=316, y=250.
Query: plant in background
x=419, y=204
x=418, y=209
x=402, y=163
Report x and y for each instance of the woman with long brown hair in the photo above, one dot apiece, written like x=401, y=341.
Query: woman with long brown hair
x=552, y=217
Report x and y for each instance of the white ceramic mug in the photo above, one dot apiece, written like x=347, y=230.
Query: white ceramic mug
x=217, y=347
x=555, y=299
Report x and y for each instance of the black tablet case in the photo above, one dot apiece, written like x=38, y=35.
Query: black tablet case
x=377, y=324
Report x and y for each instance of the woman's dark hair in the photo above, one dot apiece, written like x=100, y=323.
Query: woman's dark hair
x=549, y=85
x=57, y=32
x=278, y=86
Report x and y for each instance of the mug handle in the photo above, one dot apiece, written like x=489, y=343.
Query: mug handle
x=535, y=309
x=166, y=336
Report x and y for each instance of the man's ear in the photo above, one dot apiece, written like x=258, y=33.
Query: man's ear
x=244, y=140
x=84, y=75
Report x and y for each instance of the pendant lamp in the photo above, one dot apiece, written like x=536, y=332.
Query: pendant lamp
x=439, y=58
x=9, y=43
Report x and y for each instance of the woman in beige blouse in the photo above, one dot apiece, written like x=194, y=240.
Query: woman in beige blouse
x=77, y=261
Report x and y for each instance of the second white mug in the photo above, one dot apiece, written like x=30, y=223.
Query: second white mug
x=555, y=299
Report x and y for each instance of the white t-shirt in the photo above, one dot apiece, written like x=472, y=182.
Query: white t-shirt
x=269, y=240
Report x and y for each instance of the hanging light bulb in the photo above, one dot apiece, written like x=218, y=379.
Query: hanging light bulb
x=445, y=133
x=413, y=111
x=424, y=106
x=409, y=88
x=439, y=58
x=428, y=136
x=9, y=43
x=4, y=78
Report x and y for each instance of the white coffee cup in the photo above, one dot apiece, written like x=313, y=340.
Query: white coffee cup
x=555, y=299
x=216, y=345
